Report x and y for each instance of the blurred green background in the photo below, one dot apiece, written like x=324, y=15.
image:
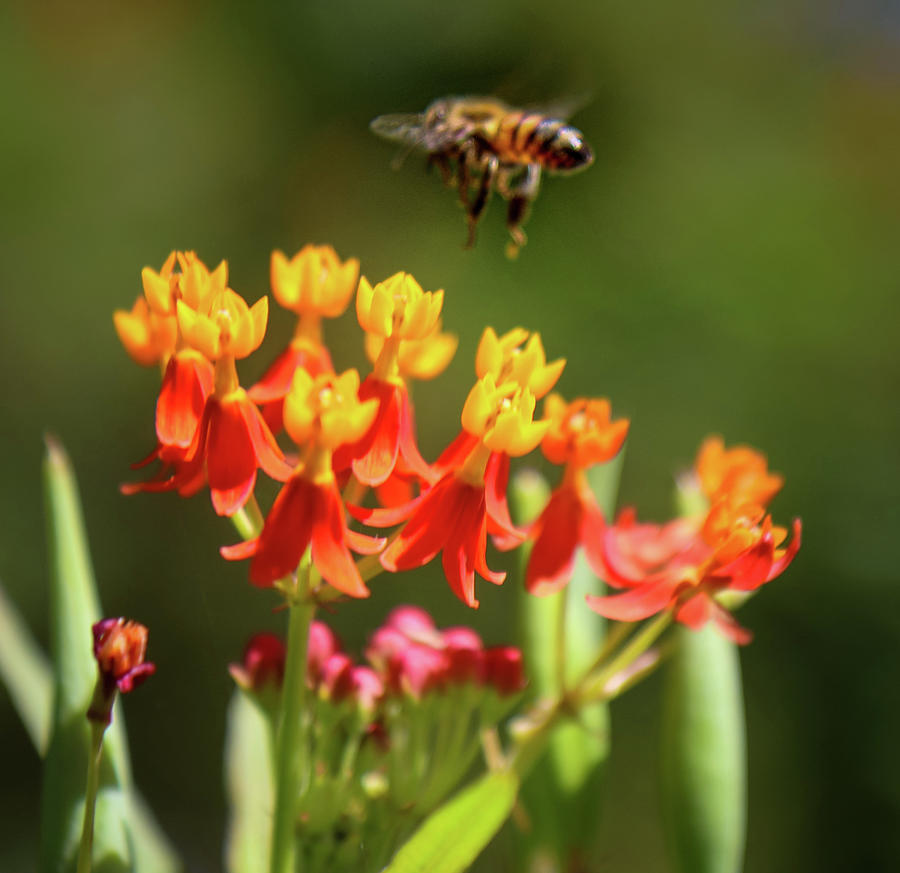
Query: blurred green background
x=729, y=264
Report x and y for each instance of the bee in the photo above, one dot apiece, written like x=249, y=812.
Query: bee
x=481, y=145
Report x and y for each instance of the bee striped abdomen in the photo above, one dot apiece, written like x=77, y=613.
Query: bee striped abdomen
x=526, y=137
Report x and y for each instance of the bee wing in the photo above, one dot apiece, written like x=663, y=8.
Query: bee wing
x=407, y=128
x=562, y=107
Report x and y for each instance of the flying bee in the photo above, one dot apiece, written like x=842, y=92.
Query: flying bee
x=481, y=144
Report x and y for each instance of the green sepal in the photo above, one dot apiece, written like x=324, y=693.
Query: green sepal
x=125, y=836
x=453, y=836
x=703, y=775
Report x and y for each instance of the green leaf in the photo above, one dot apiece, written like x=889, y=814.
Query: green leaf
x=452, y=837
x=703, y=754
x=249, y=784
x=125, y=836
x=26, y=673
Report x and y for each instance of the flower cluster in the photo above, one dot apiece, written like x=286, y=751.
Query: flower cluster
x=351, y=435
x=408, y=657
x=731, y=545
x=395, y=735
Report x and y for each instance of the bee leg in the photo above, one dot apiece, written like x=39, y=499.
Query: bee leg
x=442, y=162
x=488, y=175
x=519, y=202
x=464, y=179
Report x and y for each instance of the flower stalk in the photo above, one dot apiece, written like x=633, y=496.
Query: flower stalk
x=98, y=728
x=290, y=750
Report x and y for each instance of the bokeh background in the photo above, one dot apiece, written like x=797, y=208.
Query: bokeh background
x=730, y=264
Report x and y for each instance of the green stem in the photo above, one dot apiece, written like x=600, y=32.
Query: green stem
x=559, y=643
x=591, y=688
x=291, y=741
x=90, y=797
x=248, y=520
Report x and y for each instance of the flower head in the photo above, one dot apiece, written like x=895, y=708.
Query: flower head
x=320, y=414
x=741, y=473
x=314, y=281
x=398, y=308
x=517, y=357
x=226, y=326
x=315, y=284
x=580, y=434
x=678, y=566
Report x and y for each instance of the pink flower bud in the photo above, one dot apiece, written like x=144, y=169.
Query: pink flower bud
x=417, y=670
x=322, y=645
x=337, y=677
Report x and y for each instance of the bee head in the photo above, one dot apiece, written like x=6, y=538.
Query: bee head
x=436, y=113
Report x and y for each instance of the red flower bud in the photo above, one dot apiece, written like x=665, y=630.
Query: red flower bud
x=262, y=664
x=503, y=669
x=120, y=646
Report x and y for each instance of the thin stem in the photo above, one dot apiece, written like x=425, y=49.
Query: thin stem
x=614, y=638
x=562, y=682
x=291, y=750
x=593, y=687
x=90, y=798
x=248, y=520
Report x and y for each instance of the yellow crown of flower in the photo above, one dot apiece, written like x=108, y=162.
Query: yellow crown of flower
x=503, y=416
x=226, y=326
x=195, y=284
x=517, y=357
x=398, y=308
x=148, y=337
x=421, y=359
x=313, y=281
x=327, y=409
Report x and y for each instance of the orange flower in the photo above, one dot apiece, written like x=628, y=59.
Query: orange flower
x=315, y=284
x=674, y=566
x=740, y=472
x=580, y=435
x=456, y=514
x=320, y=414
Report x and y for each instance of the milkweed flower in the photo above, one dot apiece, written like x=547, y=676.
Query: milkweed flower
x=314, y=284
x=231, y=441
x=517, y=358
x=319, y=415
x=148, y=337
x=684, y=566
x=740, y=473
x=581, y=434
x=404, y=340
x=453, y=517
